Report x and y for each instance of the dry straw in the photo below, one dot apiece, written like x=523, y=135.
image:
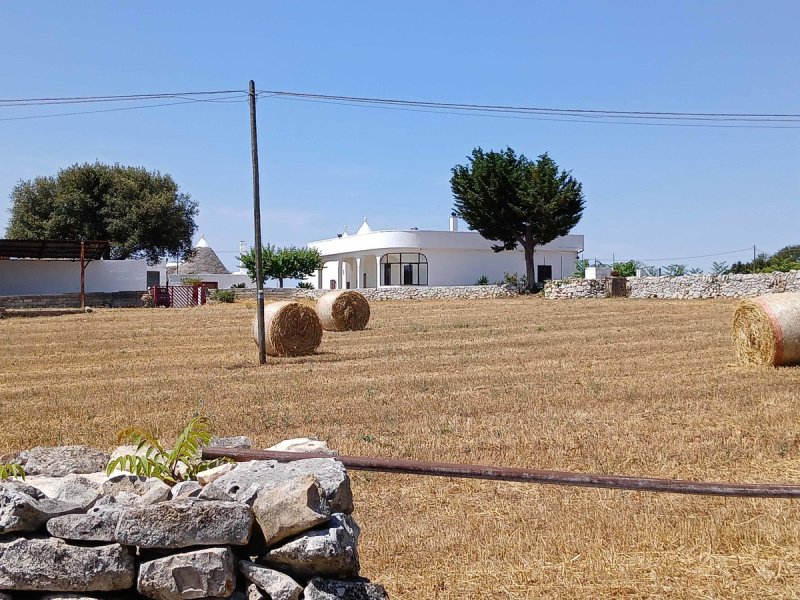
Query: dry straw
x=766, y=330
x=291, y=328
x=343, y=311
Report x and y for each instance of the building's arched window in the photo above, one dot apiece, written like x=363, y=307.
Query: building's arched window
x=407, y=268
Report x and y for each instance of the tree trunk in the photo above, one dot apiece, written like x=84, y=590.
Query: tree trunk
x=280, y=281
x=529, y=267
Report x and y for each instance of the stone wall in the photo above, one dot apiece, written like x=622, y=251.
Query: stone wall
x=683, y=287
x=449, y=292
x=98, y=299
x=257, y=530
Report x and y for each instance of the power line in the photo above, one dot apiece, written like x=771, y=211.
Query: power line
x=538, y=110
x=111, y=98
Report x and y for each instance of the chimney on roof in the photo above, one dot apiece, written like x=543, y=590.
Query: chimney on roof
x=453, y=222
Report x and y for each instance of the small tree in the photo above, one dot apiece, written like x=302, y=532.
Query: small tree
x=719, y=268
x=675, y=270
x=626, y=269
x=515, y=201
x=282, y=263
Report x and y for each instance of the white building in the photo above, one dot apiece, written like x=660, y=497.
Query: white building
x=390, y=257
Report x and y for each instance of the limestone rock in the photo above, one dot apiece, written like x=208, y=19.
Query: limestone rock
x=98, y=525
x=303, y=445
x=238, y=441
x=291, y=507
x=74, y=489
x=210, y=475
x=210, y=572
x=332, y=589
x=51, y=564
x=188, y=488
x=67, y=596
x=186, y=522
x=133, y=490
x=254, y=593
x=21, y=512
x=277, y=585
x=331, y=551
x=62, y=460
x=246, y=481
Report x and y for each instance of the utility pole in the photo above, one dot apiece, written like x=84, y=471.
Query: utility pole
x=262, y=340
x=754, y=258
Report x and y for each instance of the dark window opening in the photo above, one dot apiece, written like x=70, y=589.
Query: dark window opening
x=543, y=273
x=407, y=268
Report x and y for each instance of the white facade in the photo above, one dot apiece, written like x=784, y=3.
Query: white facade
x=370, y=259
x=20, y=277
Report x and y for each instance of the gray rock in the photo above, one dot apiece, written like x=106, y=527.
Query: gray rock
x=186, y=522
x=51, y=564
x=329, y=552
x=254, y=593
x=188, y=488
x=277, y=585
x=74, y=489
x=246, y=481
x=62, y=460
x=131, y=490
x=67, y=596
x=332, y=589
x=21, y=512
x=24, y=487
x=291, y=507
x=98, y=525
x=238, y=441
x=210, y=572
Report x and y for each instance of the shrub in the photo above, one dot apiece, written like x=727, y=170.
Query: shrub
x=181, y=463
x=8, y=470
x=238, y=286
x=191, y=281
x=227, y=296
x=306, y=285
x=482, y=280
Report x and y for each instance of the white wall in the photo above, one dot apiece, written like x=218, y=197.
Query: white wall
x=223, y=281
x=34, y=277
x=463, y=267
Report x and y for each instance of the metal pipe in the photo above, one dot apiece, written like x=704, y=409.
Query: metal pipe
x=414, y=467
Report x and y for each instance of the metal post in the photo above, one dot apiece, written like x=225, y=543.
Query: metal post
x=83, y=274
x=262, y=341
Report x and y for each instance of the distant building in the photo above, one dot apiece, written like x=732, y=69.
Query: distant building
x=392, y=257
x=204, y=264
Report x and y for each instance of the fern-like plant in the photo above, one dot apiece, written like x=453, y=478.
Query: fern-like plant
x=8, y=470
x=151, y=459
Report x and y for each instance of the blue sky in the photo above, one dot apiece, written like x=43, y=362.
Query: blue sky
x=651, y=192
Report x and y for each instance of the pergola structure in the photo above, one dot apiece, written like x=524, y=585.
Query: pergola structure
x=82, y=250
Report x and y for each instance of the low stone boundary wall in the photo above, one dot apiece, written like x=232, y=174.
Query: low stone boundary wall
x=443, y=292
x=251, y=531
x=681, y=288
x=129, y=299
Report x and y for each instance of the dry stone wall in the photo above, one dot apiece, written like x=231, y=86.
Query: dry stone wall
x=259, y=530
x=681, y=288
x=132, y=299
x=444, y=292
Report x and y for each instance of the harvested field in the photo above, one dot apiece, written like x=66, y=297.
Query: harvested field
x=615, y=386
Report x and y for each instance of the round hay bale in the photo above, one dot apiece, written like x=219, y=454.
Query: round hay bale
x=766, y=330
x=344, y=310
x=291, y=329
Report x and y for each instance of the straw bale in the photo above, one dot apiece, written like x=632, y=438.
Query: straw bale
x=766, y=330
x=343, y=310
x=291, y=329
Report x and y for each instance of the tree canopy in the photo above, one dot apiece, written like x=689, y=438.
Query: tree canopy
x=785, y=259
x=282, y=263
x=142, y=213
x=515, y=201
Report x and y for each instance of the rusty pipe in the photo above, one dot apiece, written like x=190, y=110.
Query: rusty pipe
x=593, y=480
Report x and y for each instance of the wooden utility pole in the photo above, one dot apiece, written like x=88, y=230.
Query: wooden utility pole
x=83, y=274
x=262, y=340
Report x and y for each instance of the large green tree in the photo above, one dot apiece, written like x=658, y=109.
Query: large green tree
x=282, y=263
x=142, y=213
x=515, y=201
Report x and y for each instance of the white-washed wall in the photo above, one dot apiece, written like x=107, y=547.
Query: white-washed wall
x=683, y=287
x=452, y=292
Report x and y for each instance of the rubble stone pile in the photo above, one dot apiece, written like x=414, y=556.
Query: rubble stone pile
x=259, y=530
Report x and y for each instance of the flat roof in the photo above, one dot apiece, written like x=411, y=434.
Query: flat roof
x=69, y=249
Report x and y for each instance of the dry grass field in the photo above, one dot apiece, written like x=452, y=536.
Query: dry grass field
x=615, y=386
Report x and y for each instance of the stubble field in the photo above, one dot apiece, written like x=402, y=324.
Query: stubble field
x=615, y=386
